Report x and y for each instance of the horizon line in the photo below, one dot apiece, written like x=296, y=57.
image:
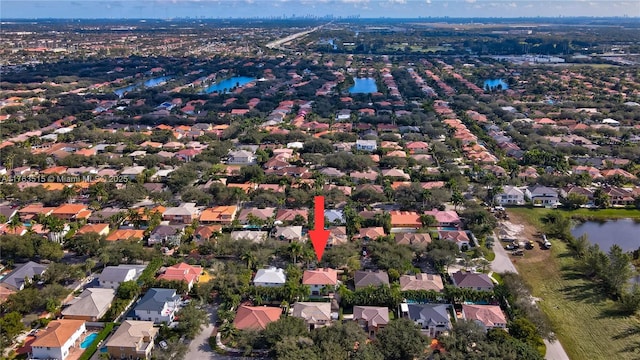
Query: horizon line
x=330, y=17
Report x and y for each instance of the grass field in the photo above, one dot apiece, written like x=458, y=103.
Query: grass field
x=586, y=322
x=595, y=214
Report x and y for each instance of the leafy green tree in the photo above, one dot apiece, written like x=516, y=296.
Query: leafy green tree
x=524, y=330
x=192, y=320
x=296, y=347
x=400, y=340
x=601, y=199
x=10, y=326
x=575, y=201
x=287, y=326
x=128, y=290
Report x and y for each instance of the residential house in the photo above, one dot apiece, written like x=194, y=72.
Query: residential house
x=472, y=280
x=337, y=236
x=90, y=305
x=422, y=281
x=270, y=277
x=320, y=279
x=510, y=195
x=166, y=235
x=58, y=339
x=619, y=196
x=71, y=212
x=371, y=318
x=460, y=237
x=395, y=173
x=253, y=236
x=446, y=218
x=101, y=229
x=405, y=219
x=542, y=196
x=315, y=314
x=219, y=215
x=104, y=215
x=370, y=233
x=255, y=317
x=184, y=214
x=205, y=232
x=405, y=238
x=22, y=275
x=334, y=216
x=132, y=340
x=184, y=272
x=366, y=145
x=132, y=172
x=241, y=157
x=363, y=279
x=126, y=235
x=288, y=233
x=157, y=305
x=264, y=215
x=528, y=174
x=488, y=316
x=291, y=215
x=112, y=276
x=433, y=319
x=8, y=212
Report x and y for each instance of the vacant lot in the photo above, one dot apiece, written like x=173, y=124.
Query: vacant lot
x=596, y=214
x=585, y=320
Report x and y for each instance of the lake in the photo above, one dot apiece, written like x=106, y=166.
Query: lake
x=622, y=232
x=149, y=83
x=228, y=84
x=493, y=83
x=364, y=86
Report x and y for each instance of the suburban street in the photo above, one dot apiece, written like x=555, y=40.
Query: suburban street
x=503, y=263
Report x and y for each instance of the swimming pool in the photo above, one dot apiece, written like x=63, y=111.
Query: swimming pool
x=88, y=340
x=448, y=228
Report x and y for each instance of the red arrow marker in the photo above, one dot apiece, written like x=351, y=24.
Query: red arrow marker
x=319, y=236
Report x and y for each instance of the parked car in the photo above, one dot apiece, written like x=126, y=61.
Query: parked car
x=163, y=344
x=518, y=253
x=511, y=246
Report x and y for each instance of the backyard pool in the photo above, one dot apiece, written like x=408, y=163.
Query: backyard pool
x=448, y=228
x=88, y=340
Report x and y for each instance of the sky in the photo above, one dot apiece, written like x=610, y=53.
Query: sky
x=165, y=9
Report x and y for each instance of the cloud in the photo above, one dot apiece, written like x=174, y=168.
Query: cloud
x=470, y=1
x=428, y=1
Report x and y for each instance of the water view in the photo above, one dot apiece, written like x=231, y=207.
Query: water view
x=228, y=84
x=495, y=84
x=149, y=83
x=364, y=86
x=623, y=232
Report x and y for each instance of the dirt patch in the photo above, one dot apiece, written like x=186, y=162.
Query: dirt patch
x=520, y=228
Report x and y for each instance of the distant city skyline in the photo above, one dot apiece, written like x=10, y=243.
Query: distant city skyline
x=166, y=9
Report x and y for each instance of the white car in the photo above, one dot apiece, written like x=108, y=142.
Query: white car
x=163, y=344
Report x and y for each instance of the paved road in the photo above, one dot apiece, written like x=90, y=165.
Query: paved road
x=503, y=263
x=199, y=348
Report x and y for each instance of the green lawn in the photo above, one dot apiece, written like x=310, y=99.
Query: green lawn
x=585, y=320
x=596, y=214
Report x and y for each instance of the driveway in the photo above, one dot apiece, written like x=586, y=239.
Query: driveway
x=199, y=347
x=502, y=263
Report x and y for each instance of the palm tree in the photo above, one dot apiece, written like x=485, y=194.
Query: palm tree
x=227, y=330
x=68, y=192
x=135, y=217
x=295, y=250
x=457, y=199
x=249, y=258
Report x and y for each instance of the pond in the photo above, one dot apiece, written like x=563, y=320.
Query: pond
x=228, y=84
x=491, y=84
x=149, y=83
x=364, y=86
x=623, y=232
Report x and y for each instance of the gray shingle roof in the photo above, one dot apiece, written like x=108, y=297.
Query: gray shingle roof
x=366, y=278
x=432, y=314
x=16, y=278
x=155, y=298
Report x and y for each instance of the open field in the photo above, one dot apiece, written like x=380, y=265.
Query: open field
x=595, y=214
x=585, y=320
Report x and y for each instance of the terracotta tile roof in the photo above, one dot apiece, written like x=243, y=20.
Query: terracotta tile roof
x=181, y=272
x=489, y=315
x=421, y=282
x=255, y=317
x=405, y=218
x=125, y=234
x=57, y=333
x=322, y=276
